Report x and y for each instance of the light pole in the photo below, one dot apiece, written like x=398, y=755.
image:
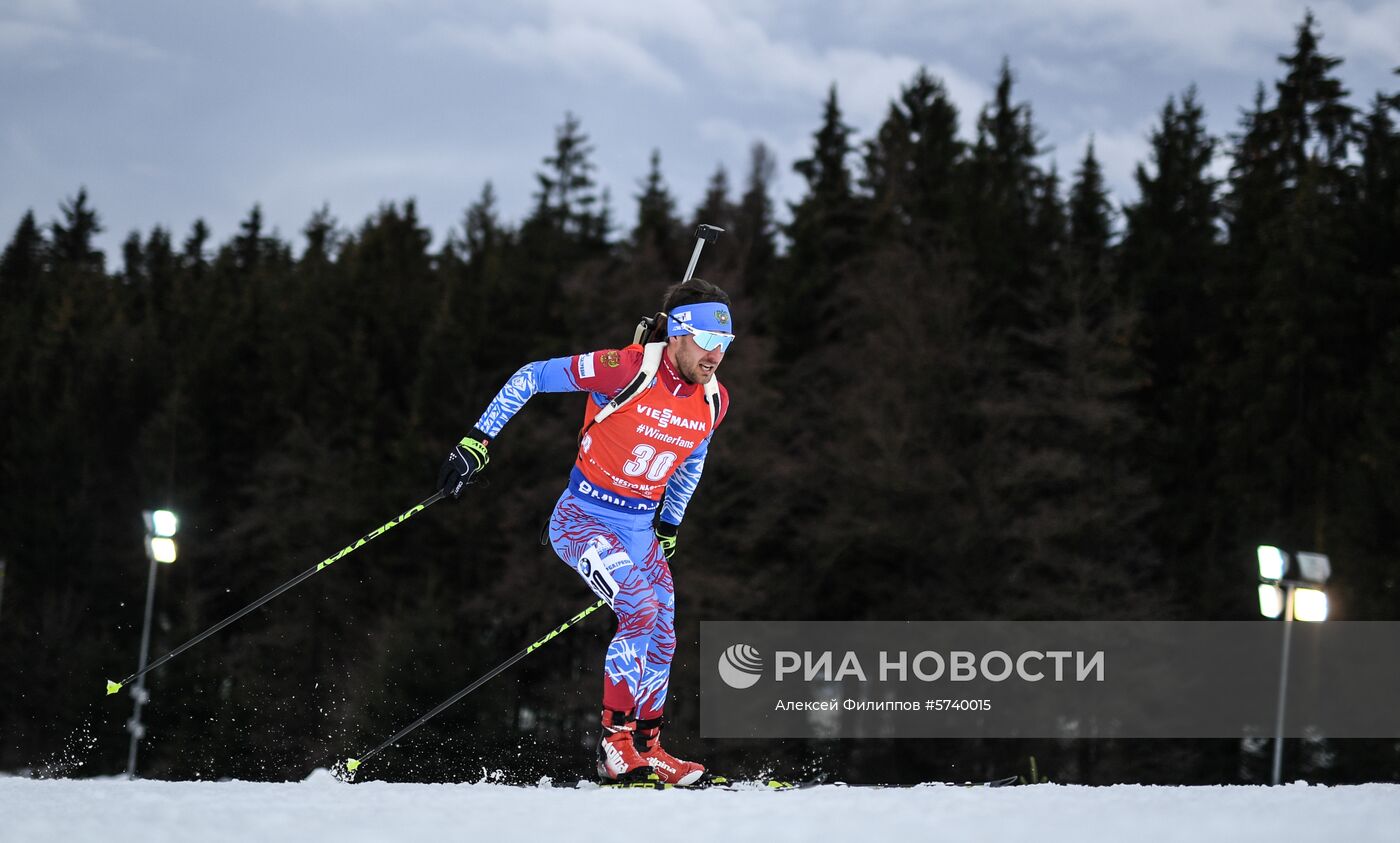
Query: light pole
x=161, y=526
x=1300, y=598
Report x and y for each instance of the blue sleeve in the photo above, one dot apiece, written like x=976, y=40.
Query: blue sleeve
x=681, y=487
x=554, y=375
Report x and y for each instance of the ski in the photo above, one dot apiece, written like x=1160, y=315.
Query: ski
x=714, y=782
x=722, y=783
x=1005, y=781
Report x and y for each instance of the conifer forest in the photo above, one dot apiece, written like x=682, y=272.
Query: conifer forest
x=965, y=387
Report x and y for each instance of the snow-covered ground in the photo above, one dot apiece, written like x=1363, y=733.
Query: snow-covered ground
x=112, y=810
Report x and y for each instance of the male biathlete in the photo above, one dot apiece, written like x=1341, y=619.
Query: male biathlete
x=647, y=425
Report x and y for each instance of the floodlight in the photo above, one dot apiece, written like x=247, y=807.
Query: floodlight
x=1289, y=597
x=161, y=548
x=1270, y=600
x=164, y=523
x=1272, y=562
x=1309, y=604
x=161, y=527
x=1314, y=567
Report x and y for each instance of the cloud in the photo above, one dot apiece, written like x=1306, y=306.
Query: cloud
x=373, y=171
x=738, y=139
x=327, y=7
x=785, y=147
x=49, y=11
x=325, y=172
x=732, y=43
x=121, y=45
x=1085, y=76
x=1375, y=32
x=580, y=50
x=727, y=133
x=35, y=23
x=1237, y=36
x=736, y=48
x=866, y=80
x=16, y=36
x=37, y=29
x=21, y=150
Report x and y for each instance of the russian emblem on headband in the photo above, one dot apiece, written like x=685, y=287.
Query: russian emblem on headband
x=722, y=317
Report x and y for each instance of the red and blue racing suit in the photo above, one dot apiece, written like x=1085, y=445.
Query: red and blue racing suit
x=648, y=455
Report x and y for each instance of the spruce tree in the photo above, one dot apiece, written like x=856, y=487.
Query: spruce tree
x=1090, y=217
x=1005, y=187
x=1171, y=268
x=323, y=237
x=1050, y=232
x=1171, y=251
x=192, y=252
x=827, y=171
x=247, y=247
x=1291, y=388
x=824, y=239
x=1369, y=512
x=1318, y=125
x=133, y=258
x=474, y=298
x=1376, y=215
x=23, y=258
x=656, y=236
x=597, y=229
x=71, y=238
x=912, y=167
x=566, y=200
x=716, y=208
x=755, y=229
x=21, y=284
x=570, y=224
x=1065, y=495
x=482, y=229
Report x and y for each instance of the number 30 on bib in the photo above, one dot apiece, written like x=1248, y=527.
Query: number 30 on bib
x=645, y=460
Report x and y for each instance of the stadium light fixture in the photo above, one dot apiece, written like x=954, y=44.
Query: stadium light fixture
x=1314, y=567
x=1297, y=597
x=1270, y=600
x=1310, y=604
x=161, y=549
x=1273, y=563
x=161, y=527
x=164, y=523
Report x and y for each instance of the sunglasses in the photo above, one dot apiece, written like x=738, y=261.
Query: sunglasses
x=708, y=340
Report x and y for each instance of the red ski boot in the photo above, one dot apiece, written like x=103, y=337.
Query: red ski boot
x=618, y=759
x=669, y=769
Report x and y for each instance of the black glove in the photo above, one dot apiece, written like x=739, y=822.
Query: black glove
x=666, y=537
x=467, y=458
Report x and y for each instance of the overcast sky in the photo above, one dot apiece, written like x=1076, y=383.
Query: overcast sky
x=169, y=110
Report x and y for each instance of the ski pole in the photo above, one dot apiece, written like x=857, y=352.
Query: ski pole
x=350, y=765
x=703, y=234
x=113, y=687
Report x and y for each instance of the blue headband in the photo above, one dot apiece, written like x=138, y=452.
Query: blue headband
x=706, y=316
